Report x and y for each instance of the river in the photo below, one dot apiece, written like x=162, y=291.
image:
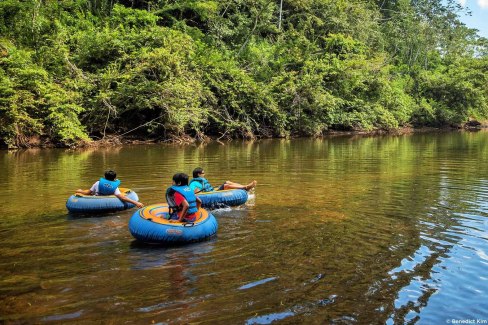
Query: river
x=344, y=230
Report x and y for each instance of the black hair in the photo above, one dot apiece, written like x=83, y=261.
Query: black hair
x=110, y=175
x=197, y=171
x=180, y=179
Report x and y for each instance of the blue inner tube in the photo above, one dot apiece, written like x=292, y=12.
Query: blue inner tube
x=222, y=199
x=150, y=225
x=80, y=203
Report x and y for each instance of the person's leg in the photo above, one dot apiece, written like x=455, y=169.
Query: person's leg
x=228, y=185
x=232, y=183
x=251, y=185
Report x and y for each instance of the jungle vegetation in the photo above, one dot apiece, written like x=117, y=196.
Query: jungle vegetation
x=76, y=70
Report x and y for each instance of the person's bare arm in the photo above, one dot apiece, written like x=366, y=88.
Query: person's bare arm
x=184, y=209
x=84, y=192
x=126, y=199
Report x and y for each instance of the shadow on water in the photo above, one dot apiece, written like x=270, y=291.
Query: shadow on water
x=140, y=246
x=146, y=256
x=73, y=216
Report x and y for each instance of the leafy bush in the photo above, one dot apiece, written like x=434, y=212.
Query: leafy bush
x=160, y=69
x=32, y=104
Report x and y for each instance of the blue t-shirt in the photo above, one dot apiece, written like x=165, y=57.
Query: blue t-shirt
x=196, y=185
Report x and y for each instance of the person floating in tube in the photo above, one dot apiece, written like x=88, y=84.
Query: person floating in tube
x=108, y=185
x=200, y=184
x=183, y=203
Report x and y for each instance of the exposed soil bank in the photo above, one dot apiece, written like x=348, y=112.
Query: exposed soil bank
x=114, y=140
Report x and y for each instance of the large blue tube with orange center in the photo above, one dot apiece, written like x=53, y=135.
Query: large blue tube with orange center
x=151, y=225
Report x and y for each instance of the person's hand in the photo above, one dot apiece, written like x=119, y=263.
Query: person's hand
x=173, y=220
x=139, y=205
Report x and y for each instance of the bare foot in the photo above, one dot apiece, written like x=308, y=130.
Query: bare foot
x=250, y=185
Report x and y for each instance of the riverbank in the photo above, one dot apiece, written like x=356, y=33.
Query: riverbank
x=115, y=140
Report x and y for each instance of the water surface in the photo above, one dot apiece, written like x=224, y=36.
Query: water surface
x=345, y=230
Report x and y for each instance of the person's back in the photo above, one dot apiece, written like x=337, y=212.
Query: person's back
x=182, y=200
x=108, y=185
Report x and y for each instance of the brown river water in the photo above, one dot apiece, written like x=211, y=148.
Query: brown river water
x=343, y=230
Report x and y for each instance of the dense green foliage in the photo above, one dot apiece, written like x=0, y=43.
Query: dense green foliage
x=78, y=69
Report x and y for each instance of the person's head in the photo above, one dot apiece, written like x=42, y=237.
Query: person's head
x=110, y=175
x=180, y=179
x=198, y=172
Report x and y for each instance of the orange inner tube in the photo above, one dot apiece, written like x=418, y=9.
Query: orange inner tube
x=159, y=212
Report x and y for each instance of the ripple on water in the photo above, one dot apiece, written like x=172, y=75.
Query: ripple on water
x=346, y=230
x=454, y=258
x=63, y=317
x=269, y=318
x=256, y=283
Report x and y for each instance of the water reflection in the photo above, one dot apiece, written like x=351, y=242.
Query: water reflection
x=146, y=257
x=388, y=229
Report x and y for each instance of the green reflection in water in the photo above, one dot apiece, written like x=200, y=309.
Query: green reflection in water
x=335, y=223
